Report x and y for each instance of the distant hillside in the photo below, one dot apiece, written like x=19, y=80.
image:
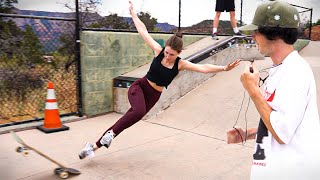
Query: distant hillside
x=43, y=13
x=206, y=27
x=88, y=19
x=165, y=27
x=50, y=31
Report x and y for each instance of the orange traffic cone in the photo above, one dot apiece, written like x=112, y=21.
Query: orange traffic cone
x=52, y=121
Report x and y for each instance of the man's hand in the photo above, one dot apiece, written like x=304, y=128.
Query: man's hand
x=250, y=80
x=233, y=135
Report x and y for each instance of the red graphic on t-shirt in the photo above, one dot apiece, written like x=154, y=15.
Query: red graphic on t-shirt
x=269, y=96
x=259, y=163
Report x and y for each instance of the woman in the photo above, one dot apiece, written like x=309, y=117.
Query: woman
x=145, y=92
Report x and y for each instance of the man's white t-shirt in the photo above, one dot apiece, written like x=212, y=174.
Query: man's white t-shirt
x=291, y=92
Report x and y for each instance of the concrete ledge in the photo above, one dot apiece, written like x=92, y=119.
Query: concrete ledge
x=300, y=44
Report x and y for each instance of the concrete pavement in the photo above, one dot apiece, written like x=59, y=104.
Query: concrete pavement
x=185, y=141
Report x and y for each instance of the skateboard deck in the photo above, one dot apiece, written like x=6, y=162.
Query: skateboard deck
x=62, y=170
x=215, y=37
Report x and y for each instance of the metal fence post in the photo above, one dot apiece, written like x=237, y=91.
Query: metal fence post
x=78, y=56
x=241, y=13
x=310, y=25
x=179, y=28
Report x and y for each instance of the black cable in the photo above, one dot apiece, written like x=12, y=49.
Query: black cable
x=244, y=95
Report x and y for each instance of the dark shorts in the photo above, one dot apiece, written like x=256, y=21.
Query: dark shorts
x=225, y=5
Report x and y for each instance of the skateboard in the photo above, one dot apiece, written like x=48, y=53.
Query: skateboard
x=214, y=37
x=62, y=170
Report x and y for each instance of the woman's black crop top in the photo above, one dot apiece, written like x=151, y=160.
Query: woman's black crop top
x=160, y=74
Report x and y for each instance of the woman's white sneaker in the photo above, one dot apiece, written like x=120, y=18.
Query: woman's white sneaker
x=107, y=138
x=87, y=151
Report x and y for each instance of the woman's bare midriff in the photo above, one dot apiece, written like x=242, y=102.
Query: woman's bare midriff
x=155, y=86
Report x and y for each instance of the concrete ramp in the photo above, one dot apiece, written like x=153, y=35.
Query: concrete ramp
x=311, y=53
x=207, y=50
x=185, y=141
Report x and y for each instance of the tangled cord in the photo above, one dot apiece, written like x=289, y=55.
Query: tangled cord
x=261, y=82
x=243, y=140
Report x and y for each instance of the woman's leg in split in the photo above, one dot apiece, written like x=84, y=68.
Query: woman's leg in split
x=142, y=98
x=133, y=115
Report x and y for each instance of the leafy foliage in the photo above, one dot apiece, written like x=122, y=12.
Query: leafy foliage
x=113, y=21
x=31, y=46
x=149, y=21
x=13, y=38
x=316, y=23
x=10, y=37
x=6, y=5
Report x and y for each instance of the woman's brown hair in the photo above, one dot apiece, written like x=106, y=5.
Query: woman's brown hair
x=175, y=42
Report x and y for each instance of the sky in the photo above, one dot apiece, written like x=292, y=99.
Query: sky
x=168, y=10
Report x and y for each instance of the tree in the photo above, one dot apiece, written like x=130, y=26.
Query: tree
x=113, y=21
x=31, y=46
x=68, y=41
x=6, y=5
x=87, y=11
x=10, y=37
x=16, y=43
x=10, y=34
x=117, y=22
x=149, y=21
x=87, y=8
x=317, y=23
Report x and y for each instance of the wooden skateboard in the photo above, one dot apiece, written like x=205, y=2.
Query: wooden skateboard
x=62, y=170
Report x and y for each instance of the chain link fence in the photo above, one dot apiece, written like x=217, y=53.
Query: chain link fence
x=35, y=49
x=186, y=16
x=38, y=46
x=305, y=21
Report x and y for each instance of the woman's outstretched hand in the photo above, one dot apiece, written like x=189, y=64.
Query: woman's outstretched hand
x=232, y=65
x=131, y=9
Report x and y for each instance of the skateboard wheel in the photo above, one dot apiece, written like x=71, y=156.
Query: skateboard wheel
x=22, y=150
x=64, y=175
x=25, y=152
x=19, y=149
x=58, y=170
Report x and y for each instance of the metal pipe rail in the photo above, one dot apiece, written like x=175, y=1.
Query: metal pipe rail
x=215, y=48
